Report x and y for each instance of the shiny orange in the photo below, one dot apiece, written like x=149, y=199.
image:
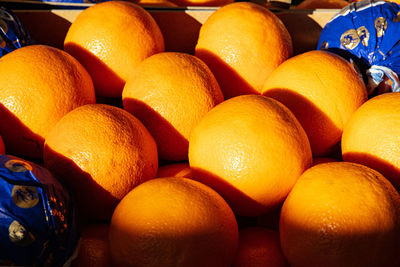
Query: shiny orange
x=39, y=85
x=101, y=152
x=243, y=43
x=250, y=149
x=170, y=92
x=259, y=247
x=341, y=214
x=371, y=137
x=322, y=90
x=173, y=222
x=110, y=39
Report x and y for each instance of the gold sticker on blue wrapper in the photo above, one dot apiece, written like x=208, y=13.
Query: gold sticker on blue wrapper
x=350, y=39
x=363, y=34
x=380, y=26
x=17, y=165
x=19, y=235
x=25, y=196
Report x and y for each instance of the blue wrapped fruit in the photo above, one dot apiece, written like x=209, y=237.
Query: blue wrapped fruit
x=37, y=221
x=367, y=33
x=13, y=35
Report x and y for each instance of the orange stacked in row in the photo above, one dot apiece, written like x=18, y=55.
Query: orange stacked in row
x=231, y=156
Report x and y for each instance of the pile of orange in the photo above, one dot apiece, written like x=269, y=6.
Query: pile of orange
x=239, y=154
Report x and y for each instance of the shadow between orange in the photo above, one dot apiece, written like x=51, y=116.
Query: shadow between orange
x=242, y=205
x=18, y=139
x=270, y=219
x=179, y=29
x=297, y=23
x=93, y=201
x=112, y=101
x=45, y=27
x=231, y=83
x=106, y=81
x=319, y=127
x=166, y=136
x=387, y=169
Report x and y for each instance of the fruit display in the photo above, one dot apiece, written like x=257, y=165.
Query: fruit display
x=200, y=136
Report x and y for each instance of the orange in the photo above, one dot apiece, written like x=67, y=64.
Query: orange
x=371, y=137
x=173, y=222
x=101, y=152
x=202, y=2
x=170, y=92
x=250, y=149
x=110, y=39
x=341, y=214
x=175, y=170
x=323, y=91
x=315, y=4
x=39, y=85
x=2, y=148
x=93, y=247
x=240, y=49
x=259, y=247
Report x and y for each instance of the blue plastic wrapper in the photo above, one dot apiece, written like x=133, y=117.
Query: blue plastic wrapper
x=367, y=33
x=37, y=216
x=13, y=35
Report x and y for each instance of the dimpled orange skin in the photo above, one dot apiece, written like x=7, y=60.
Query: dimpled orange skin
x=39, y=85
x=170, y=92
x=259, y=247
x=371, y=137
x=341, y=214
x=101, y=152
x=173, y=222
x=323, y=91
x=93, y=247
x=2, y=148
x=240, y=49
x=251, y=150
x=110, y=39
